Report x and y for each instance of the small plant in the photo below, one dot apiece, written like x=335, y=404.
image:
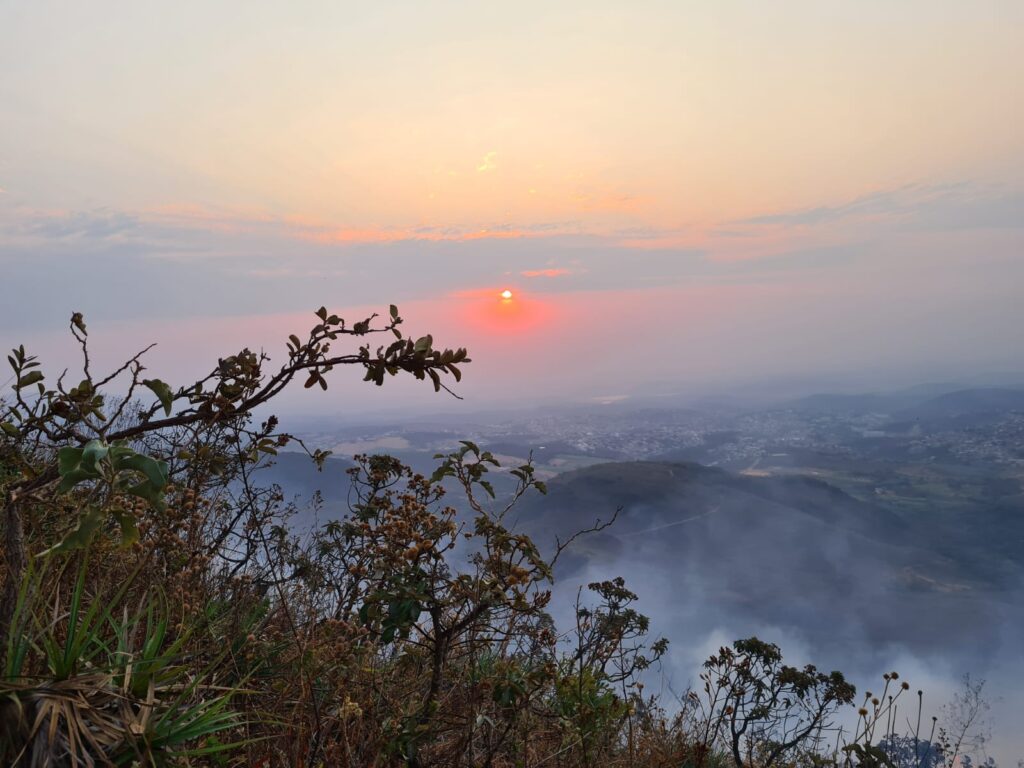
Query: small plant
x=762, y=710
x=95, y=683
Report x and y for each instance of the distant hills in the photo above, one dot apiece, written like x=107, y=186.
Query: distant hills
x=306, y=487
x=721, y=548
x=963, y=408
x=931, y=399
x=860, y=403
x=654, y=493
x=924, y=408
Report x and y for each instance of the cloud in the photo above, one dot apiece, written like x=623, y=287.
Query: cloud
x=545, y=272
x=176, y=262
x=180, y=224
x=937, y=207
x=94, y=225
x=326, y=232
x=609, y=399
x=490, y=162
x=876, y=203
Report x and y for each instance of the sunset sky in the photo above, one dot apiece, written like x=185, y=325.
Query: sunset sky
x=680, y=194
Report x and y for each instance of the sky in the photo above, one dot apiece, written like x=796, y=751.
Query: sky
x=682, y=196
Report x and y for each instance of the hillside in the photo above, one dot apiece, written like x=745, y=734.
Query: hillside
x=745, y=552
x=712, y=548
x=963, y=409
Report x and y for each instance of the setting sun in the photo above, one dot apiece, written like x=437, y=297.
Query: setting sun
x=506, y=294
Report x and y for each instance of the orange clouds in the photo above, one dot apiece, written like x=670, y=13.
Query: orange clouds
x=313, y=229
x=545, y=272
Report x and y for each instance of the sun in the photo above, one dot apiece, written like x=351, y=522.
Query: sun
x=506, y=294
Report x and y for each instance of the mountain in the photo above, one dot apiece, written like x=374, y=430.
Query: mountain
x=715, y=552
x=860, y=403
x=964, y=408
x=653, y=493
x=715, y=548
x=872, y=402
x=307, y=487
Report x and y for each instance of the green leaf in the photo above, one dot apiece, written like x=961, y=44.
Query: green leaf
x=154, y=470
x=80, y=537
x=73, y=478
x=29, y=379
x=77, y=464
x=92, y=453
x=10, y=429
x=162, y=392
x=394, y=312
x=129, y=531
x=68, y=459
x=147, y=492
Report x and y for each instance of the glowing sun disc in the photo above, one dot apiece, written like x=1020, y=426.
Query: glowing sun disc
x=506, y=294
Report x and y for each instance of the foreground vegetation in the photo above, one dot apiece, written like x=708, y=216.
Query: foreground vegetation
x=158, y=610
